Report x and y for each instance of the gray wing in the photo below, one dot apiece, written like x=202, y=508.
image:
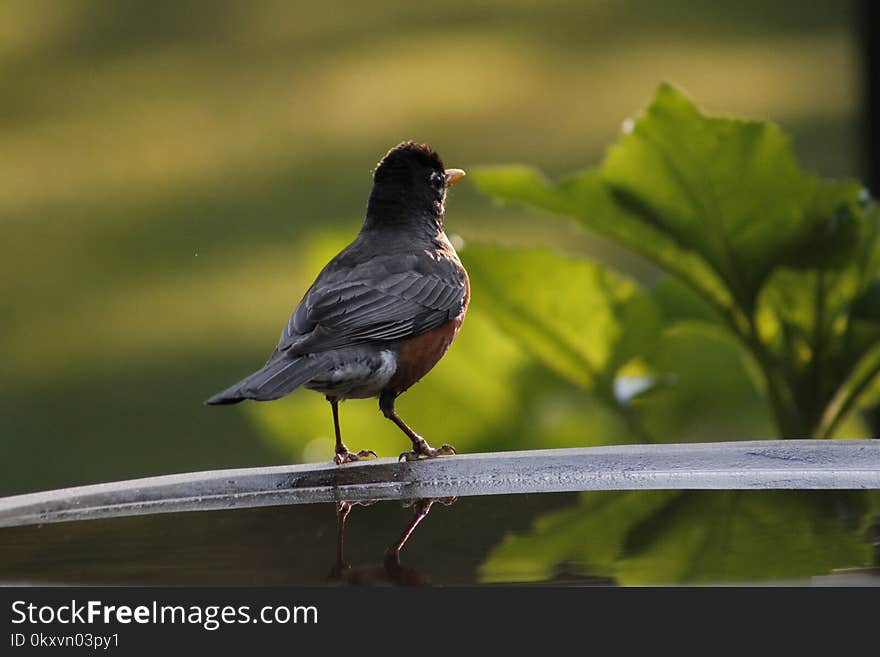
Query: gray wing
x=386, y=298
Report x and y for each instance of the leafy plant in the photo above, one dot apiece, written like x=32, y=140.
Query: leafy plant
x=654, y=537
x=586, y=341
x=785, y=263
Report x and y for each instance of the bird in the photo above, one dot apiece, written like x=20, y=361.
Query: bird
x=383, y=311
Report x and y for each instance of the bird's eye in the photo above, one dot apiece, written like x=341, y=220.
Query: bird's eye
x=436, y=180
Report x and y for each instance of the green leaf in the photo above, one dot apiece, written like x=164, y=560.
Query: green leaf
x=714, y=394
x=747, y=535
x=728, y=190
x=584, y=198
x=680, y=303
x=654, y=537
x=581, y=319
x=839, y=227
x=590, y=534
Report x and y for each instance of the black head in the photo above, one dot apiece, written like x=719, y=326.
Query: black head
x=409, y=186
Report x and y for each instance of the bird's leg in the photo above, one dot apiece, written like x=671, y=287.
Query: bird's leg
x=392, y=554
x=421, y=509
x=342, y=510
x=420, y=445
x=342, y=453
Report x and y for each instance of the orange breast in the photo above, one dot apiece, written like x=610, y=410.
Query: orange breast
x=417, y=355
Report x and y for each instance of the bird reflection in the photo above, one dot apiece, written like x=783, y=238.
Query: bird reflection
x=391, y=572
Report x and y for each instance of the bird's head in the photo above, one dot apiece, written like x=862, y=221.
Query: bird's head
x=409, y=186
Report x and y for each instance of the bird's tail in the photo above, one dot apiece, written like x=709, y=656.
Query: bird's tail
x=275, y=379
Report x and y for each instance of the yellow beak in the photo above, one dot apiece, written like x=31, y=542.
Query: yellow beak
x=453, y=176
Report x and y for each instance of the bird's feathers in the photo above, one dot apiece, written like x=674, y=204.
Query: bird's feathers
x=373, y=302
x=275, y=379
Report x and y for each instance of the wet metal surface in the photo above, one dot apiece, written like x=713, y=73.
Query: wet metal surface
x=789, y=464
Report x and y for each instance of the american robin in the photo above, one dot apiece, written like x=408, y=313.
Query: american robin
x=383, y=311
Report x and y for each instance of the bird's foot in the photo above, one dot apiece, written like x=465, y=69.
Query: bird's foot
x=421, y=448
x=345, y=456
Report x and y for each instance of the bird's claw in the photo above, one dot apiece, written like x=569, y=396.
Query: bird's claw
x=423, y=449
x=348, y=457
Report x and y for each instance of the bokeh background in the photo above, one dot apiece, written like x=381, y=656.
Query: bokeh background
x=173, y=176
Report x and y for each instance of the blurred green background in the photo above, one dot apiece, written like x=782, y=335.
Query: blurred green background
x=175, y=174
